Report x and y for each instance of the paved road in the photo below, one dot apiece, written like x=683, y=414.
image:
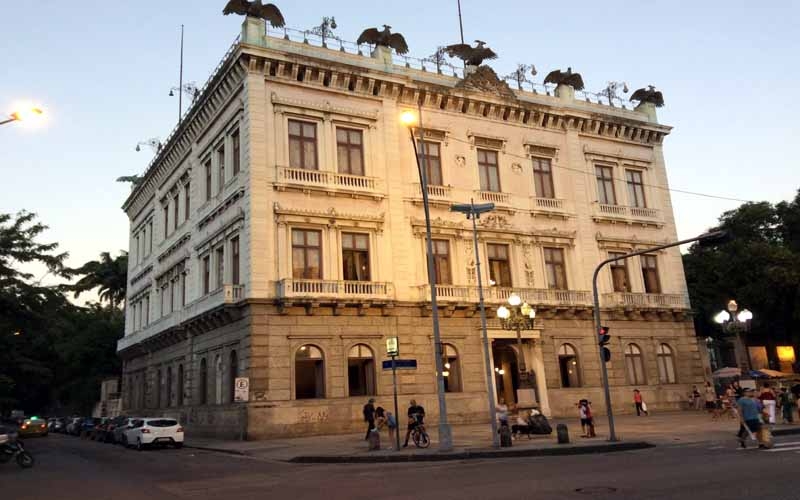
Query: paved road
x=69, y=468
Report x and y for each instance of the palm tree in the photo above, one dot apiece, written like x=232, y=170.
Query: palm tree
x=109, y=275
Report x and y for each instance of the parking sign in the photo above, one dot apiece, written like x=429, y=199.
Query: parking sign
x=241, y=392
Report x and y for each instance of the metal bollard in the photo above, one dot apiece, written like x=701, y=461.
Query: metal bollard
x=562, y=433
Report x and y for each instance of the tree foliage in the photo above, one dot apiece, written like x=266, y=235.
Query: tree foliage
x=109, y=276
x=759, y=268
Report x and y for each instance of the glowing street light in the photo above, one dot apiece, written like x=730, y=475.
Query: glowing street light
x=26, y=113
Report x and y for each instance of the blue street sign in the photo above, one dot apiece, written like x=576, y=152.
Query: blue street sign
x=401, y=364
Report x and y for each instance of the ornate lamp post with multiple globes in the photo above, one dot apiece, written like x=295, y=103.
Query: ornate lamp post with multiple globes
x=518, y=316
x=737, y=323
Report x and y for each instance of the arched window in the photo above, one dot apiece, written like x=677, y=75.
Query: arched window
x=202, y=383
x=233, y=373
x=180, y=384
x=568, y=366
x=360, y=371
x=452, y=369
x=218, y=380
x=169, y=386
x=666, y=364
x=309, y=373
x=157, y=392
x=634, y=365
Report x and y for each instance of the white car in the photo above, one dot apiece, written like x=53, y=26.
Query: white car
x=159, y=431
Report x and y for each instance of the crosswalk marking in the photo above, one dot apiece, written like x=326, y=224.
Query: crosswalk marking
x=788, y=448
x=791, y=443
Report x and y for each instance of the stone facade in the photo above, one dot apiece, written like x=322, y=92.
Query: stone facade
x=217, y=289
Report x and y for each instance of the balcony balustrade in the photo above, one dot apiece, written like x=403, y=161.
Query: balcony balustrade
x=495, y=197
x=334, y=289
x=325, y=180
x=646, y=300
x=603, y=210
x=497, y=295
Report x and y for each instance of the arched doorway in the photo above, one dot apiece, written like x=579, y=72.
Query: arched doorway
x=506, y=371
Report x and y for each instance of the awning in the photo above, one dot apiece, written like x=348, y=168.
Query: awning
x=727, y=372
x=767, y=373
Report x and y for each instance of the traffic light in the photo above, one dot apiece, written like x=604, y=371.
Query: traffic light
x=603, y=335
x=606, y=354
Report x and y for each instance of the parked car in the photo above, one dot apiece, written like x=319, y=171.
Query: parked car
x=33, y=426
x=100, y=431
x=122, y=424
x=154, y=431
x=74, y=426
x=87, y=426
x=59, y=425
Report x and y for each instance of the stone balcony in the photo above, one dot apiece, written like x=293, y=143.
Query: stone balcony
x=500, y=199
x=551, y=207
x=631, y=215
x=627, y=300
x=437, y=195
x=331, y=183
x=499, y=295
x=311, y=293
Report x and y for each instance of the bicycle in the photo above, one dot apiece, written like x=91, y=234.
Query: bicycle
x=419, y=435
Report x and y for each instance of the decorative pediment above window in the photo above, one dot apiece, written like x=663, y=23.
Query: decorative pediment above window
x=626, y=245
x=485, y=141
x=300, y=106
x=330, y=218
x=172, y=273
x=541, y=150
x=439, y=226
x=616, y=157
x=554, y=237
x=140, y=293
x=433, y=135
x=234, y=225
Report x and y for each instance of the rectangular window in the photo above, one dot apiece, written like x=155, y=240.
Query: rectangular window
x=355, y=257
x=650, y=274
x=138, y=253
x=165, y=300
x=306, y=254
x=176, y=200
x=207, y=167
x=605, y=185
x=146, y=309
x=166, y=220
x=441, y=262
x=303, y=145
x=350, y=151
x=220, y=277
x=174, y=285
x=499, y=265
x=619, y=273
x=187, y=196
x=555, y=268
x=635, y=188
x=206, y=274
x=221, y=168
x=149, y=237
x=235, y=260
x=488, y=170
x=235, y=145
x=543, y=178
x=183, y=289
x=432, y=160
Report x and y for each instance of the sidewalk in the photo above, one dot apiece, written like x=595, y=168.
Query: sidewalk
x=474, y=441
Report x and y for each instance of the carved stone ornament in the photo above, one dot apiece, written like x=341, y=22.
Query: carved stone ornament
x=495, y=222
x=461, y=161
x=516, y=168
x=484, y=79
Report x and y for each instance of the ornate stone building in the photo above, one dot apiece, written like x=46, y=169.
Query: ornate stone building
x=279, y=235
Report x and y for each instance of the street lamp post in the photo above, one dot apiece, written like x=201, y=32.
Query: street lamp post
x=715, y=236
x=737, y=323
x=22, y=115
x=473, y=212
x=445, y=433
x=518, y=316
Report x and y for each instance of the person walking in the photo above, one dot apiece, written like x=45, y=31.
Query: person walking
x=749, y=416
x=786, y=402
x=369, y=417
x=641, y=406
x=768, y=399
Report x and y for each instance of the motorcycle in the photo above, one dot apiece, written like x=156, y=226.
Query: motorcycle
x=13, y=449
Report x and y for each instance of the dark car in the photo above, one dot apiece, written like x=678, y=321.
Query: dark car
x=100, y=431
x=59, y=425
x=87, y=426
x=114, y=427
x=122, y=424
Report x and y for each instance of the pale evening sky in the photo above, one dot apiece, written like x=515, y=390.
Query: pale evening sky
x=102, y=70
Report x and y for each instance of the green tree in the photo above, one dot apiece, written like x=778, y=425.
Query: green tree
x=759, y=268
x=108, y=275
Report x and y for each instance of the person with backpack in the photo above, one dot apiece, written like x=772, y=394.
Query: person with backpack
x=369, y=416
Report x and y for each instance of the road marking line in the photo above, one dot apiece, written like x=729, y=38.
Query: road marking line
x=793, y=448
x=792, y=443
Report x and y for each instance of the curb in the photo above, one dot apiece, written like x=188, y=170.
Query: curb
x=473, y=454
x=219, y=450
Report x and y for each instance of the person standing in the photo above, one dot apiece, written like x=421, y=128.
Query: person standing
x=696, y=398
x=768, y=399
x=639, y=403
x=416, y=416
x=369, y=417
x=786, y=402
x=710, y=395
x=502, y=412
x=391, y=423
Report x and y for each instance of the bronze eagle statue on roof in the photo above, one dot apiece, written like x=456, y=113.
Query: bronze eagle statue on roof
x=472, y=56
x=384, y=38
x=559, y=77
x=650, y=94
x=267, y=12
